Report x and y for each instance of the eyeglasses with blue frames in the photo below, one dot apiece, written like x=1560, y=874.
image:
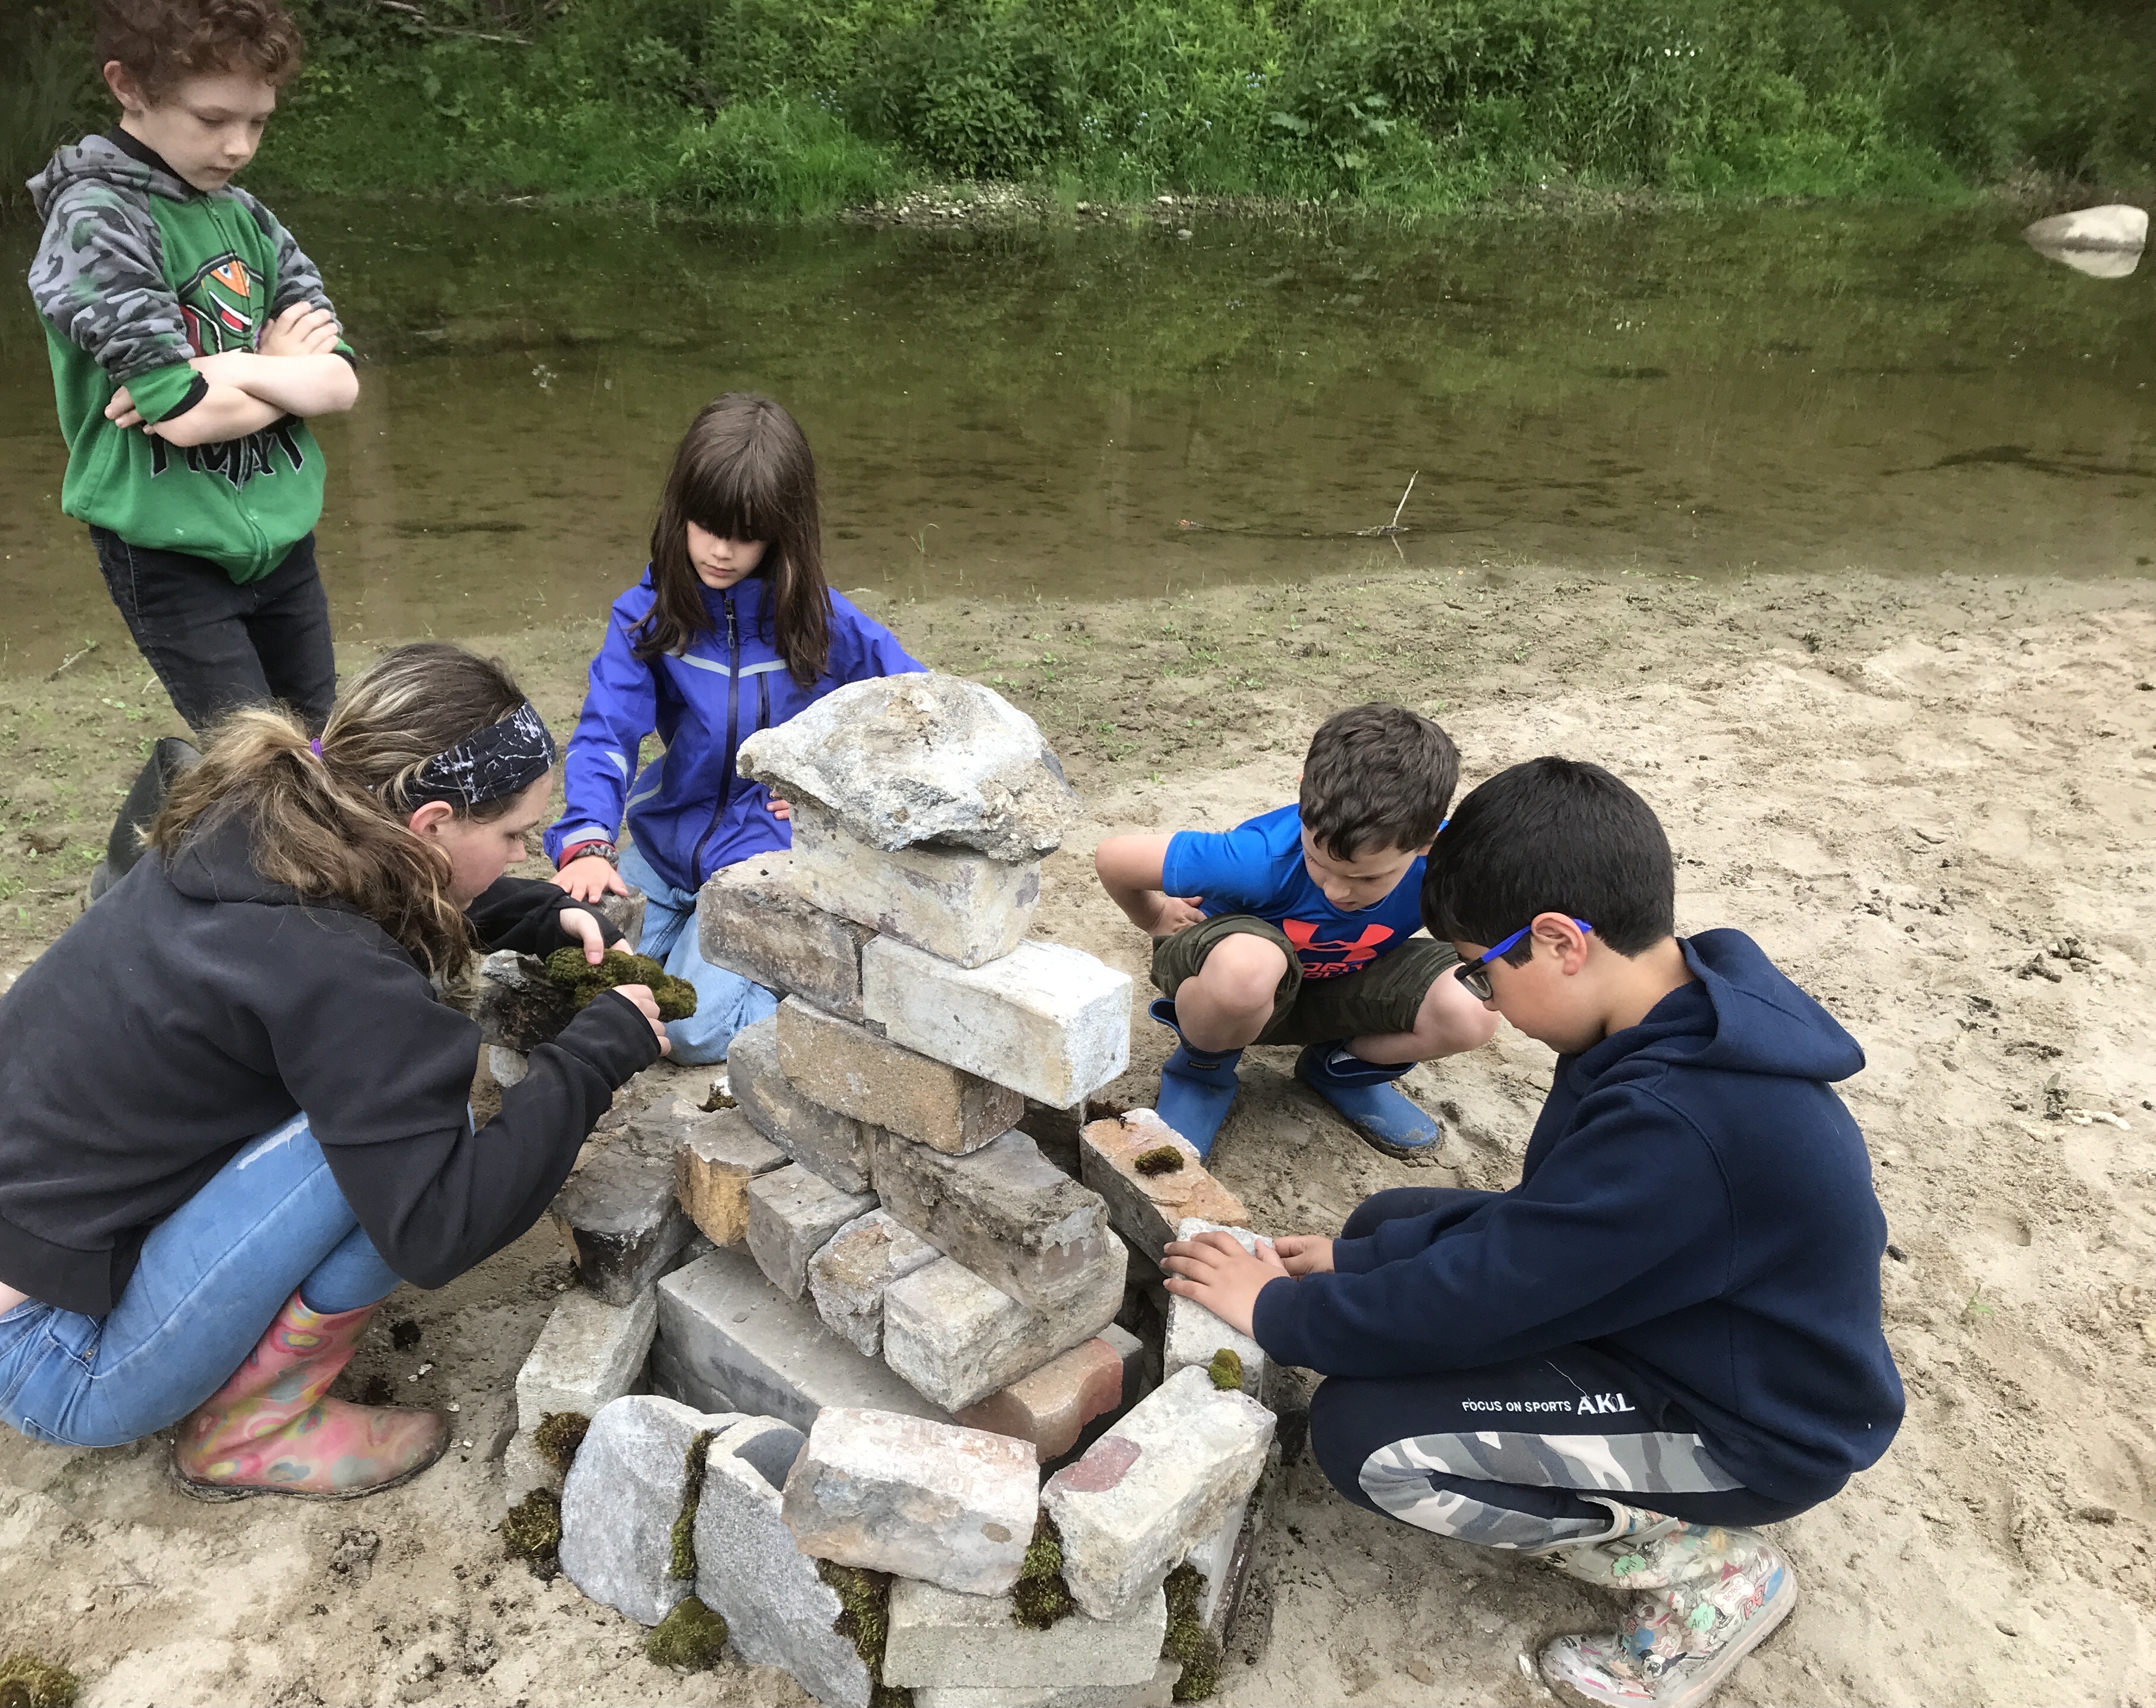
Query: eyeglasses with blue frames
x=1475, y=975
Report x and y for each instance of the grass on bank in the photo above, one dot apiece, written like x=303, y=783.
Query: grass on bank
x=795, y=107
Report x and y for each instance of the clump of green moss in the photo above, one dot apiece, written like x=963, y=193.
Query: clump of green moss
x=683, y=1563
x=1161, y=1159
x=865, y=1621
x=1226, y=1369
x=533, y=1533
x=1041, y=1597
x=568, y=968
x=691, y=1638
x=27, y=1682
x=558, y=1436
x=1188, y=1639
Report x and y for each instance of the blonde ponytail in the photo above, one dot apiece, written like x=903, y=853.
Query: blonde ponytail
x=333, y=827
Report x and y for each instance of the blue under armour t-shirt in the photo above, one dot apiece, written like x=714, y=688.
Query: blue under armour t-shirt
x=1257, y=868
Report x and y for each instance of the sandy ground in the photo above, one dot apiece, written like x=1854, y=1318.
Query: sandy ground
x=1930, y=801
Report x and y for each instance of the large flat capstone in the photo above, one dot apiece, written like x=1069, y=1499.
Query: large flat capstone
x=1050, y=1022
x=754, y=917
x=949, y=1506
x=904, y=760
x=850, y=1070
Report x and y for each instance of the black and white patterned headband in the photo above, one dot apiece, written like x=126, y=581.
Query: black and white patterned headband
x=502, y=760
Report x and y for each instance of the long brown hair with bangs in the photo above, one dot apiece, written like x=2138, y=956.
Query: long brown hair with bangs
x=334, y=828
x=743, y=471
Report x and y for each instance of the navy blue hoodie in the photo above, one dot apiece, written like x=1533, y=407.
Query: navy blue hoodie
x=1695, y=1202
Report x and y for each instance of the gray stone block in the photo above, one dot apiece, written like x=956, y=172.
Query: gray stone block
x=849, y=1277
x=939, y=1639
x=626, y=911
x=589, y=1354
x=850, y=1070
x=1158, y=1691
x=957, y=1340
x=523, y=1470
x=1048, y=1020
x=712, y=1168
x=950, y=1506
x=621, y=1498
x=727, y=1335
x=925, y=758
x=822, y=1140
x=619, y=1216
x=964, y=906
x=518, y=1006
x=1004, y=1211
x=1195, y=1334
x=778, y=1612
x=1153, y=1488
x=792, y=1215
x=754, y=918
x=507, y=1066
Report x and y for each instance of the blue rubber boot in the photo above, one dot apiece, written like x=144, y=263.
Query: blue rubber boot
x=1382, y=1117
x=1196, y=1086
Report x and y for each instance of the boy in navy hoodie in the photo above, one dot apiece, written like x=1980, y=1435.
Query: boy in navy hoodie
x=1669, y=1332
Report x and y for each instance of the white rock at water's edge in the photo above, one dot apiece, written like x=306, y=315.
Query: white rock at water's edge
x=2113, y=226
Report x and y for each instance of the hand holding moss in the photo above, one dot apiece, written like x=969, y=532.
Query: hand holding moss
x=1212, y=1269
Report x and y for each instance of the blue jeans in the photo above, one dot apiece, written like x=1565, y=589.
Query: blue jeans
x=726, y=1001
x=211, y=1276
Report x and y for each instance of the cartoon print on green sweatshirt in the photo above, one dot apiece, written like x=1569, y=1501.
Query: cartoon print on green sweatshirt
x=136, y=273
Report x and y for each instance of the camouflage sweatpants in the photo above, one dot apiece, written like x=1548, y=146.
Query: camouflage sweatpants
x=1512, y=1455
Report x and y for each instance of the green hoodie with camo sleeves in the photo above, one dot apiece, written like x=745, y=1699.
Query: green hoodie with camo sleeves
x=136, y=272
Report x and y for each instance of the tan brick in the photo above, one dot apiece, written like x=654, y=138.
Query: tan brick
x=1050, y=1407
x=1145, y=1208
x=848, y=1069
x=712, y=1168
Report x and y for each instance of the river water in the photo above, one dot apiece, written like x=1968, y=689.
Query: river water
x=1108, y=412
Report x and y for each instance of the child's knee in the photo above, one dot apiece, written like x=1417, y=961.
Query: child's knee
x=1243, y=971
x=1450, y=1020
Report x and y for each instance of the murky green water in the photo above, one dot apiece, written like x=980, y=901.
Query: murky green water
x=1106, y=413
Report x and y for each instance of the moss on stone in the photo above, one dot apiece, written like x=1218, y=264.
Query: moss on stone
x=1188, y=1640
x=691, y=1637
x=27, y=1682
x=532, y=1532
x=683, y=1561
x=1041, y=1598
x=558, y=1436
x=568, y=968
x=1161, y=1159
x=1226, y=1369
x=865, y=1621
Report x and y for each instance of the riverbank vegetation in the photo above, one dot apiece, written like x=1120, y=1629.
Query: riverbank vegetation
x=804, y=106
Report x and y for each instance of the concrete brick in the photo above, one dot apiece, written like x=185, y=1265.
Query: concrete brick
x=729, y=1341
x=618, y=1215
x=507, y=1066
x=1195, y=1334
x=518, y=1006
x=940, y=1639
x=1051, y=1406
x=626, y=912
x=849, y=1276
x=1153, y=1488
x=589, y=1354
x=1157, y=1692
x=957, y=1340
x=1004, y=1211
x=1050, y=1022
x=963, y=906
x=950, y=1506
x=754, y=918
x=523, y=1470
x=712, y=1168
x=822, y=1140
x=792, y=1215
x=778, y=1612
x=850, y=1070
x=621, y=1499
x=659, y=1129
x=1146, y=1207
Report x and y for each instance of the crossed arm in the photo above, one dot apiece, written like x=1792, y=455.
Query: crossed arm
x=296, y=372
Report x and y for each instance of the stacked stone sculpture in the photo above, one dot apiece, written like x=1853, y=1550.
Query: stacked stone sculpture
x=870, y=1309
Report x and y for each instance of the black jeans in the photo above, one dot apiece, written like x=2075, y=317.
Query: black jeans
x=217, y=645
x=1504, y=1455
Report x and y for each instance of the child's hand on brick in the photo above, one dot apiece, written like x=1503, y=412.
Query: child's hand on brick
x=1213, y=1270
x=1305, y=1253
x=302, y=330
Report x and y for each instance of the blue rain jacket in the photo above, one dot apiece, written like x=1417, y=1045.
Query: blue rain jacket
x=689, y=809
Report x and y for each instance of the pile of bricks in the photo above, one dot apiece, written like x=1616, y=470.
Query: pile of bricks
x=889, y=1277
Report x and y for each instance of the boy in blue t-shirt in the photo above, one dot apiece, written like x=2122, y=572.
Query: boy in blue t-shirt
x=1295, y=927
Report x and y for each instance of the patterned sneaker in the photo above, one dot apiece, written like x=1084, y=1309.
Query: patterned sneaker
x=1704, y=1597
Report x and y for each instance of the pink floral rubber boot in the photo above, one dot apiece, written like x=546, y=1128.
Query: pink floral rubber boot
x=1702, y=1596
x=268, y=1431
